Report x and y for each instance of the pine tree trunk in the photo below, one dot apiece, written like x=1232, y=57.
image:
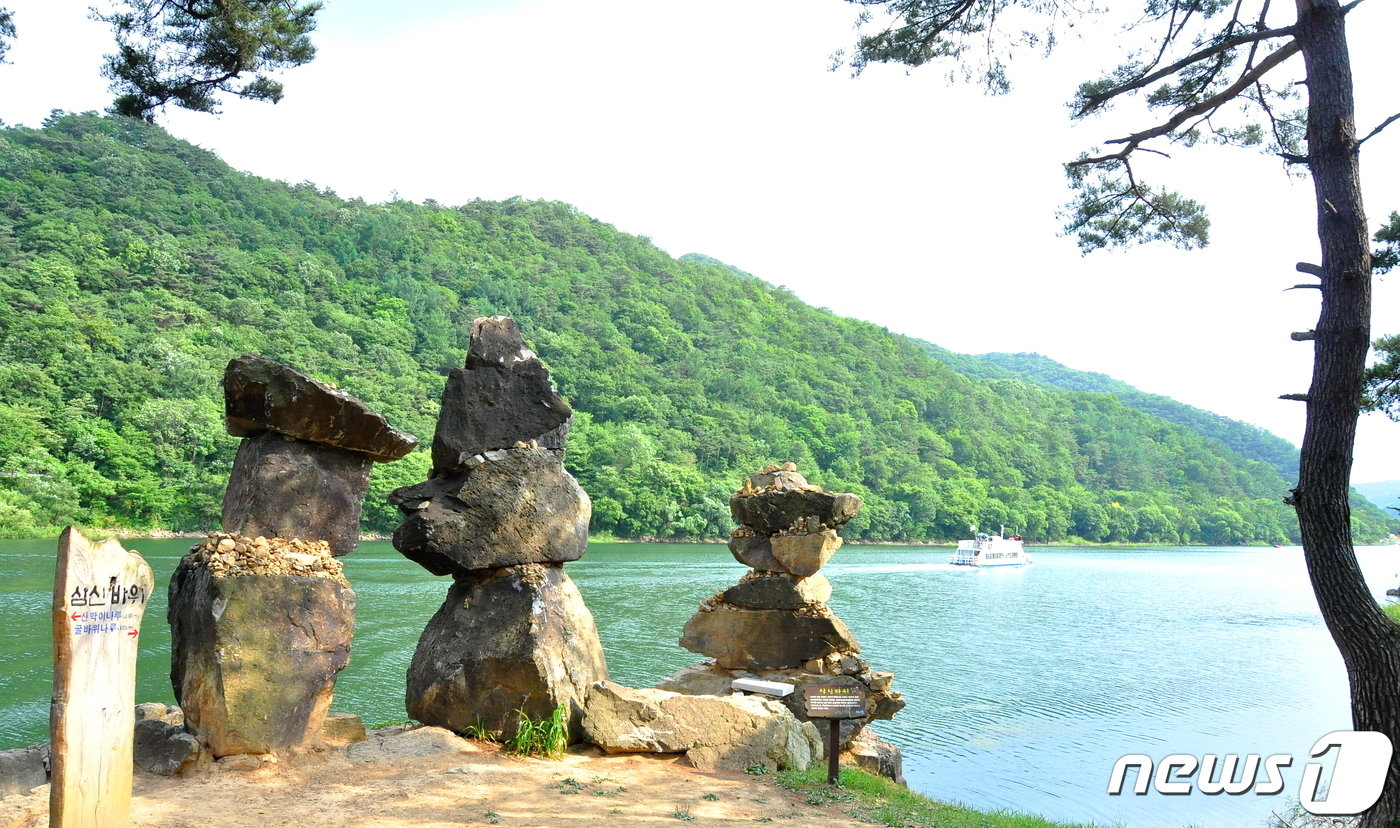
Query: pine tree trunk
x=1368, y=640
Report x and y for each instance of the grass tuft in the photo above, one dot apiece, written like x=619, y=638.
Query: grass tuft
x=546, y=738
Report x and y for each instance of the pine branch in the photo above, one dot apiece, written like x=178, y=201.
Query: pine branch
x=1213, y=102
x=1097, y=100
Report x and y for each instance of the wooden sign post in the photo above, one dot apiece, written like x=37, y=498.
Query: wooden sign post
x=99, y=596
x=834, y=702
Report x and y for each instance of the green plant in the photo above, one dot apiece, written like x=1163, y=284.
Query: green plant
x=756, y=770
x=877, y=800
x=711, y=797
x=546, y=738
x=492, y=817
x=478, y=731
x=683, y=813
x=567, y=785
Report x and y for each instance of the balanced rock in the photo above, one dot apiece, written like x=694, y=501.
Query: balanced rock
x=774, y=512
x=295, y=489
x=773, y=590
x=303, y=468
x=803, y=555
x=510, y=507
x=507, y=640
x=715, y=732
x=755, y=639
x=261, y=394
x=502, y=397
x=753, y=551
x=255, y=648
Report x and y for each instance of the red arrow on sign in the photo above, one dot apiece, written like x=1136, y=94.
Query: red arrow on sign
x=133, y=632
x=76, y=616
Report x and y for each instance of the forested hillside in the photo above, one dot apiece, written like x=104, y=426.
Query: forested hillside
x=133, y=266
x=1250, y=441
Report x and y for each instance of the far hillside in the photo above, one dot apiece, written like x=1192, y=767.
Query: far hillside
x=1385, y=494
x=1248, y=440
x=133, y=266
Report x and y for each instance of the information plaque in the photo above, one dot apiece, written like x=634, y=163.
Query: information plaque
x=834, y=701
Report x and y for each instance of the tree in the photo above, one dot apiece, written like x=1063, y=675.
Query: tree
x=1219, y=73
x=190, y=52
x=1383, y=378
x=7, y=31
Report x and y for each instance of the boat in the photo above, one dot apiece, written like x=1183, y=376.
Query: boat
x=990, y=550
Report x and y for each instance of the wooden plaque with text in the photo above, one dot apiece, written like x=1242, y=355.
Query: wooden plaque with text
x=99, y=595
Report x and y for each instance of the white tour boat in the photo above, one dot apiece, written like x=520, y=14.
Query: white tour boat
x=990, y=550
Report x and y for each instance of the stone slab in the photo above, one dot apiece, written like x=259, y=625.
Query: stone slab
x=261, y=394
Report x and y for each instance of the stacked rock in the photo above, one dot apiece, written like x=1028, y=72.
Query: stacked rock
x=501, y=516
x=261, y=615
x=774, y=624
x=302, y=469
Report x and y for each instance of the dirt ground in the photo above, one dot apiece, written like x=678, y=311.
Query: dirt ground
x=429, y=778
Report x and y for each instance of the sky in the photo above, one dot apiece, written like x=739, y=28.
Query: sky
x=716, y=127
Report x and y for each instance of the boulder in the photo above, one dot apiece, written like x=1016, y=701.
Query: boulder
x=772, y=512
x=24, y=769
x=254, y=657
x=392, y=744
x=715, y=732
x=766, y=639
x=772, y=590
x=780, y=478
x=261, y=394
x=162, y=748
x=295, y=489
x=507, y=640
x=803, y=555
x=502, y=397
x=163, y=712
x=343, y=727
x=872, y=754
x=710, y=679
x=753, y=551
x=703, y=679
x=516, y=506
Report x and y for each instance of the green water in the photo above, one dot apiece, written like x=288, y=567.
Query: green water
x=1024, y=685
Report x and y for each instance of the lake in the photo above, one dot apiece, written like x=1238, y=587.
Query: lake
x=1024, y=686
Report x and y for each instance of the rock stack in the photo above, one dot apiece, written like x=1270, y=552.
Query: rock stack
x=501, y=516
x=774, y=624
x=261, y=615
x=303, y=466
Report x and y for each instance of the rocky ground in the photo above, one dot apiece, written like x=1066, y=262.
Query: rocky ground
x=427, y=777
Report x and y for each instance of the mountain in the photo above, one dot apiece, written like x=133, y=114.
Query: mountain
x=1248, y=440
x=1384, y=494
x=133, y=266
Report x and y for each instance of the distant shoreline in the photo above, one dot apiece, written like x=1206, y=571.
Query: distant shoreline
x=124, y=533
